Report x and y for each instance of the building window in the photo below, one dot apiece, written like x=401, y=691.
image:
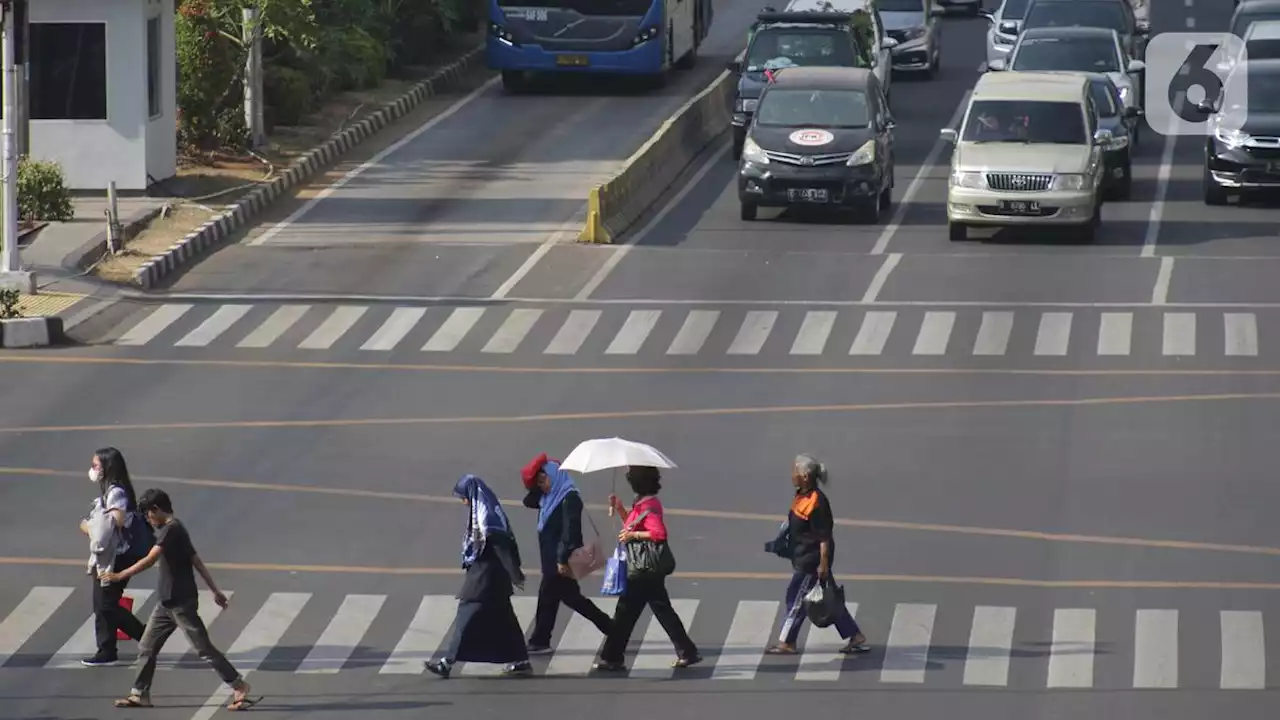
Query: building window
x=68, y=71
x=153, y=67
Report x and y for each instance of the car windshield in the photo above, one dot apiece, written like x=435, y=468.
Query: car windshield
x=784, y=107
x=1103, y=99
x=1025, y=121
x=1014, y=9
x=1067, y=54
x=900, y=5
x=1245, y=19
x=1078, y=13
x=1268, y=49
x=1264, y=93
x=777, y=48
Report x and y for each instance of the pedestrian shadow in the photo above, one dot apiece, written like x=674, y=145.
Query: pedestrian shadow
x=926, y=657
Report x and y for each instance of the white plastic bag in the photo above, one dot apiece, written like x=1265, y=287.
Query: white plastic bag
x=814, y=595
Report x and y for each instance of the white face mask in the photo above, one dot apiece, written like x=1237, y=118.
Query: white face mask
x=95, y=475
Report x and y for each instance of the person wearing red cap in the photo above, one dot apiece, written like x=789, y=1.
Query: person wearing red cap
x=552, y=493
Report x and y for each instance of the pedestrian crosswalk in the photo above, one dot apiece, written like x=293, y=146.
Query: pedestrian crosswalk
x=618, y=332
x=914, y=643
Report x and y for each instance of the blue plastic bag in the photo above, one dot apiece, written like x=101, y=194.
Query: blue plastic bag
x=615, y=573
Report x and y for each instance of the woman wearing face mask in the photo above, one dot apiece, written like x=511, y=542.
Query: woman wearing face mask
x=118, y=502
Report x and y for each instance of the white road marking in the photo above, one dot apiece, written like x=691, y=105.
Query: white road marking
x=1071, y=654
x=178, y=644
x=402, y=322
x=906, y=653
x=693, y=333
x=935, y=333
x=340, y=638
x=743, y=648
x=569, y=229
x=273, y=327
x=153, y=324
x=993, y=333
x=573, y=332
x=634, y=332
x=990, y=644
x=525, y=608
x=1055, y=333
x=753, y=333
x=1162, y=184
x=819, y=661
x=333, y=328
x=218, y=323
x=454, y=329
x=1114, y=333
x=424, y=636
x=513, y=331
x=576, y=651
x=873, y=333
x=814, y=332
x=881, y=277
x=1155, y=655
x=1160, y=293
x=1179, y=334
x=1244, y=654
x=23, y=621
x=1241, y=334
x=82, y=644
x=655, y=656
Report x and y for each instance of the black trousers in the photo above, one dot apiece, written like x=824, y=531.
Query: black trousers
x=556, y=589
x=638, y=595
x=108, y=616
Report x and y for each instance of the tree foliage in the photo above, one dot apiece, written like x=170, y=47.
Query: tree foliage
x=311, y=49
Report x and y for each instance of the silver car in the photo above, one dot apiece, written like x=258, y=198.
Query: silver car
x=914, y=25
x=1003, y=27
x=1077, y=49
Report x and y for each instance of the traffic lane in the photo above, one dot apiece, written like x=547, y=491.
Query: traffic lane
x=1252, y=280
x=1021, y=278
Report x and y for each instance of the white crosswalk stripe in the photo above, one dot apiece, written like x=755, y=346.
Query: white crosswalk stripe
x=556, y=332
x=402, y=636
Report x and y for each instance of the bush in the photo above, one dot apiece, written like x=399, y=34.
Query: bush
x=208, y=112
x=361, y=59
x=287, y=93
x=42, y=191
x=9, y=300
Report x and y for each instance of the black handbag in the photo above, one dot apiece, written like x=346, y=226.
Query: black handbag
x=648, y=559
x=827, y=612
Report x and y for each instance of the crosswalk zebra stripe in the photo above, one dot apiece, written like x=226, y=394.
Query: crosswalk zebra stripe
x=454, y=329
x=1055, y=333
x=744, y=647
x=1071, y=654
x=634, y=332
x=34, y=610
x=990, y=644
x=993, y=333
x=574, y=332
x=1241, y=334
x=1244, y=655
x=906, y=655
x=1155, y=656
x=874, y=332
x=218, y=323
x=655, y=656
x=694, y=332
x=935, y=333
x=576, y=651
x=153, y=324
x=343, y=634
x=814, y=332
x=525, y=608
x=1115, y=332
x=177, y=646
x=820, y=660
x=256, y=641
x=423, y=638
x=401, y=323
x=83, y=643
x=273, y=327
x=1179, y=334
x=513, y=331
x=754, y=331
x=334, y=327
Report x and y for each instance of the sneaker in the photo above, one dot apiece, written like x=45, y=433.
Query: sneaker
x=439, y=667
x=538, y=649
x=100, y=660
x=520, y=669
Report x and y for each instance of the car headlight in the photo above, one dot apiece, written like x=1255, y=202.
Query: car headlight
x=966, y=179
x=1069, y=182
x=1231, y=138
x=1004, y=39
x=864, y=155
x=745, y=106
x=914, y=33
x=1126, y=93
x=753, y=153
x=645, y=36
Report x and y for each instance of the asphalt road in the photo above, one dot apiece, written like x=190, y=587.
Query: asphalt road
x=1070, y=517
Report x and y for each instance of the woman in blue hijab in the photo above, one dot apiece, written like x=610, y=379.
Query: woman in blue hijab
x=486, y=629
x=555, y=497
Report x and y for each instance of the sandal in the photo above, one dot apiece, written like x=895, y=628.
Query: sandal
x=854, y=648
x=603, y=666
x=685, y=662
x=780, y=650
x=244, y=703
x=133, y=701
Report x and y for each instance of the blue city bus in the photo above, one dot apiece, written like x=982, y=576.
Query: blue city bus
x=631, y=37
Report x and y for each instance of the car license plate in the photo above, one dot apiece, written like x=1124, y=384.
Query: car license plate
x=813, y=195
x=572, y=60
x=1020, y=207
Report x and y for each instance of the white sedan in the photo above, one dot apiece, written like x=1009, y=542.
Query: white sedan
x=1077, y=49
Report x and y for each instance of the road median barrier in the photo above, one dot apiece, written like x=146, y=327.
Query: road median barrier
x=612, y=208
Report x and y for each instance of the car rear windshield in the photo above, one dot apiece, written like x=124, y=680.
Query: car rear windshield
x=1025, y=121
x=1268, y=49
x=1103, y=99
x=777, y=48
x=1078, y=13
x=1067, y=54
x=785, y=107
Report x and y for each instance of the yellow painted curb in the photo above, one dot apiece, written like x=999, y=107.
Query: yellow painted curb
x=46, y=304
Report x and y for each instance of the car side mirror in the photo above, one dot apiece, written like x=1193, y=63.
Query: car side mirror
x=1144, y=28
x=1206, y=107
x=1137, y=66
x=890, y=123
x=733, y=66
x=990, y=17
x=1009, y=28
x=998, y=65
x=1133, y=112
x=889, y=43
x=1102, y=137
x=948, y=135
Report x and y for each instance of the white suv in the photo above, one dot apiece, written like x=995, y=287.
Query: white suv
x=1029, y=152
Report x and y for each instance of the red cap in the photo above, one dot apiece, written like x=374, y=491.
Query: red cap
x=530, y=471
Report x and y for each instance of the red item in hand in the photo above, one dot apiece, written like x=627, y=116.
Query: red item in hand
x=126, y=602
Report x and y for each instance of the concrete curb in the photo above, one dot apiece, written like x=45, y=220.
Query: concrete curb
x=190, y=248
x=92, y=251
x=31, y=332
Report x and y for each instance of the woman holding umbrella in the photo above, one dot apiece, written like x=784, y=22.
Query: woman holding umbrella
x=486, y=629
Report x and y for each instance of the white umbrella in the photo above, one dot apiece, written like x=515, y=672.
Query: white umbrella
x=609, y=453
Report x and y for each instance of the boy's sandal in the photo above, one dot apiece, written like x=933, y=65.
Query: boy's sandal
x=133, y=701
x=685, y=662
x=244, y=703
x=855, y=648
x=603, y=666
x=780, y=650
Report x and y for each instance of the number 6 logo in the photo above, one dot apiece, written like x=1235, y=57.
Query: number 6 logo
x=1185, y=69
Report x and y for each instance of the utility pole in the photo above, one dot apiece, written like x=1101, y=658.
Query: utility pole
x=11, y=275
x=22, y=57
x=253, y=116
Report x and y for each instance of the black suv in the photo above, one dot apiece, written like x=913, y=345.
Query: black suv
x=1242, y=152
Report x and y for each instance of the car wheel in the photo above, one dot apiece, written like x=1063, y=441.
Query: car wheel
x=747, y=211
x=1214, y=194
x=738, y=142
x=868, y=211
x=1123, y=188
x=886, y=196
x=958, y=232
x=1089, y=232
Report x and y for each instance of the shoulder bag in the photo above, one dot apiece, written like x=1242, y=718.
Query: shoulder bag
x=648, y=559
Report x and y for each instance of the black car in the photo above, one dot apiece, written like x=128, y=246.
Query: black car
x=1110, y=14
x=1123, y=123
x=820, y=137
x=1242, y=152
x=781, y=40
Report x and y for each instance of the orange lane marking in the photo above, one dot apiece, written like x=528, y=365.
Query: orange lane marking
x=774, y=518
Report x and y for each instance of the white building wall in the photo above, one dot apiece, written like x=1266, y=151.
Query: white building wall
x=162, y=131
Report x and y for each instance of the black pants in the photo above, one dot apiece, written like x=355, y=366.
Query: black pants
x=108, y=616
x=641, y=593
x=556, y=589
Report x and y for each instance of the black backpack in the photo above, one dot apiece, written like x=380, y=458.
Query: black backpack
x=139, y=534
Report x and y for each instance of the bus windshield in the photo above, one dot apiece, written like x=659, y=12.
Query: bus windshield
x=612, y=8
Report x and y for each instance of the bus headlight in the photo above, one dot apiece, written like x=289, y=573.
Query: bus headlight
x=501, y=33
x=645, y=36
